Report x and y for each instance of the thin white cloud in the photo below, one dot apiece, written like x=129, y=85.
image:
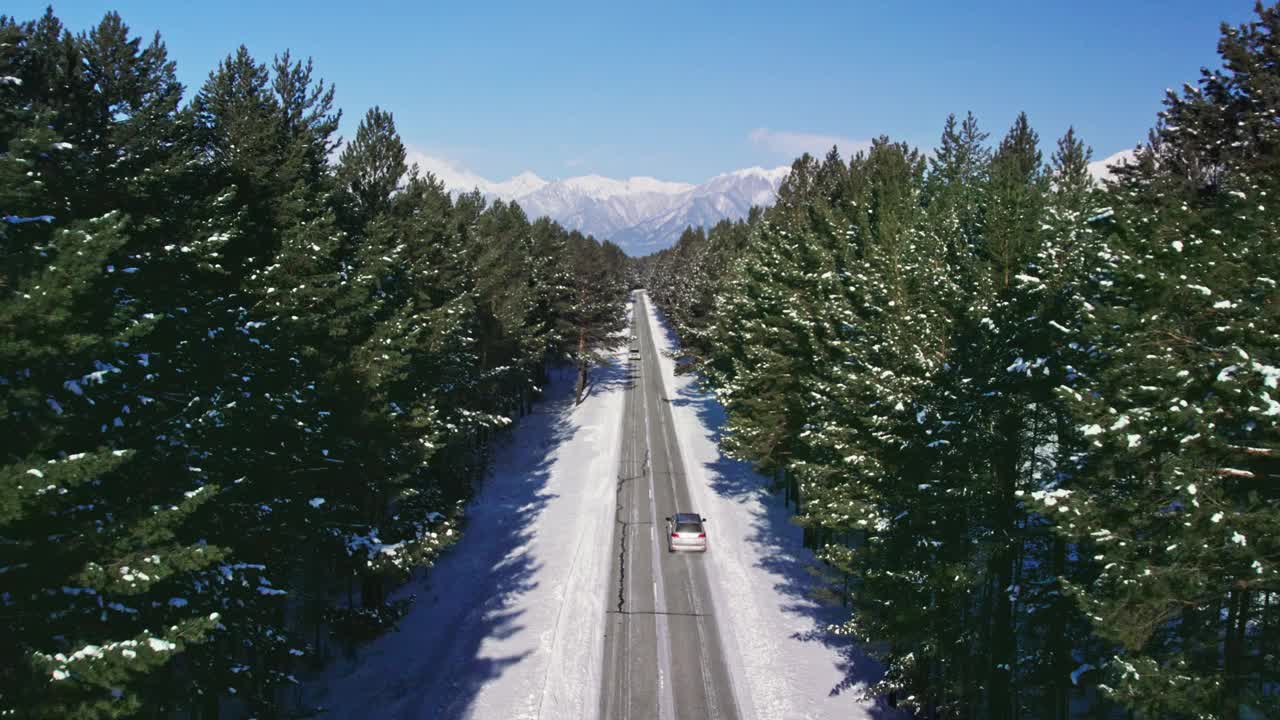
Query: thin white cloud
x=793, y=144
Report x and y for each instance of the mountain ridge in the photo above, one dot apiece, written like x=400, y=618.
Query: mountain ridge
x=640, y=214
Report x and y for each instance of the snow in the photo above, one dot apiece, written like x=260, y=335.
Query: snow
x=510, y=621
x=774, y=175
x=1270, y=374
x=1075, y=674
x=1273, y=407
x=1102, y=169
x=159, y=645
x=782, y=663
x=598, y=187
x=515, y=611
x=15, y=220
x=640, y=214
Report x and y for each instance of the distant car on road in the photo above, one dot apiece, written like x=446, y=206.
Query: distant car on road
x=686, y=532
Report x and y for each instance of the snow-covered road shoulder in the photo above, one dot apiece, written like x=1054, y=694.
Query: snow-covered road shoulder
x=784, y=665
x=510, y=622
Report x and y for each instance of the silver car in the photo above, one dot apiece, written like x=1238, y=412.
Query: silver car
x=686, y=532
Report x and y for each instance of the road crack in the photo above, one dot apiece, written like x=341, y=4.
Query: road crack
x=623, y=526
x=655, y=612
x=622, y=545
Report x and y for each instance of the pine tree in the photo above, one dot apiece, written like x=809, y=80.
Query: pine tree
x=1178, y=406
x=371, y=167
x=218, y=349
x=97, y=556
x=869, y=435
x=597, y=288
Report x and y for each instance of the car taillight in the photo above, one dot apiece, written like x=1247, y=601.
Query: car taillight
x=702, y=535
x=675, y=535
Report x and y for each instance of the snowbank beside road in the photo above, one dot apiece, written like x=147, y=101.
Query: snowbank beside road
x=509, y=624
x=784, y=664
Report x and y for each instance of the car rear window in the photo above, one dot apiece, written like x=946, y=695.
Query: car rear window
x=688, y=527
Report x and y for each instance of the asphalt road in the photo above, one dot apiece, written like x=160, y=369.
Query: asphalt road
x=662, y=651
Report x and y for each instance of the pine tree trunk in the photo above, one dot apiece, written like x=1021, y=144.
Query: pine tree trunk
x=1003, y=641
x=582, y=365
x=1229, y=655
x=371, y=591
x=1242, y=671
x=1060, y=647
x=963, y=658
x=1059, y=644
x=1233, y=652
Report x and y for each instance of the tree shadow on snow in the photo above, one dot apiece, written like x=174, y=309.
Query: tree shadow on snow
x=612, y=375
x=434, y=664
x=780, y=546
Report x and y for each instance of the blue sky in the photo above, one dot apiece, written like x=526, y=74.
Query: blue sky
x=684, y=91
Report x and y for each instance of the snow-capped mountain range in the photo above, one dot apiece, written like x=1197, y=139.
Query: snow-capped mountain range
x=640, y=214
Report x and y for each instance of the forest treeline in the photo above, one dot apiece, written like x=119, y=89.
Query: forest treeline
x=1030, y=423
x=249, y=375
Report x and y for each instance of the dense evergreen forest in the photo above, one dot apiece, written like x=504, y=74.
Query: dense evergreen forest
x=249, y=374
x=1031, y=424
